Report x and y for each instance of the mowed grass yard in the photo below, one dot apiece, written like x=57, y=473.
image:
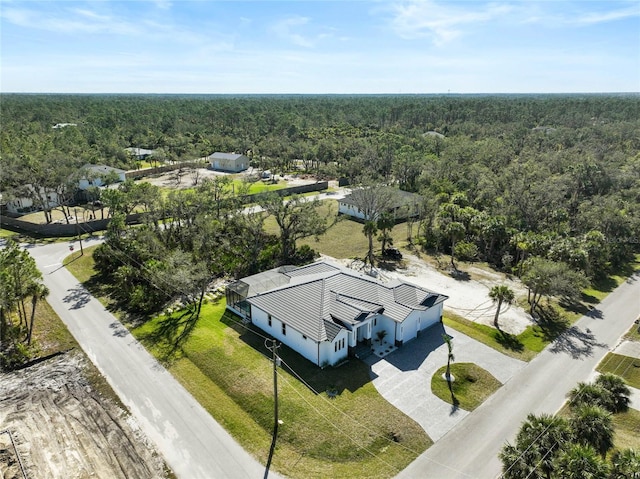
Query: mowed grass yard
x=344, y=239
x=227, y=368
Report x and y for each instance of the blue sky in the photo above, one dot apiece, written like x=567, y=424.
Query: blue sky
x=179, y=46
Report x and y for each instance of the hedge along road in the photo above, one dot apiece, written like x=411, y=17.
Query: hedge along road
x=470, y=449
x=193, y=444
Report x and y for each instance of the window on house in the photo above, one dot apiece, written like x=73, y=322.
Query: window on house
x=269, y=319
x=284, y=329
x=304, y=337
x=343, y=342
x=335, y=347
x=375, y=321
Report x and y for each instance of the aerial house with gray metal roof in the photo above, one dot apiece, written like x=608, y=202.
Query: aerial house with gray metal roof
x=327, y=312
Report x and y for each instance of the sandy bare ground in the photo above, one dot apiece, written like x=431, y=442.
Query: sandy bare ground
x=64, y=429
x=467, y=298
x=189, y=177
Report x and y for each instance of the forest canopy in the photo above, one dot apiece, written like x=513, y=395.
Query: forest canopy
x=519, y=176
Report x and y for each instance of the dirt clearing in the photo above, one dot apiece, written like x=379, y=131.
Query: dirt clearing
x=62, y=428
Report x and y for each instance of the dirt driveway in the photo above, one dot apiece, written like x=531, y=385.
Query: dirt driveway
x=468, y=298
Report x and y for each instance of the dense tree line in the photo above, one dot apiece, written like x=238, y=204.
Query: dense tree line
x=505, y=178
x=20, y=283
x=193, y=237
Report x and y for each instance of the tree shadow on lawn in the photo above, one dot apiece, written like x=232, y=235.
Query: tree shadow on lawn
x=582, y=307
x=171, y=332
x=509, y=341
x=350, y=376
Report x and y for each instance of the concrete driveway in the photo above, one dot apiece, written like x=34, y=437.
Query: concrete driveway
x=404, y=377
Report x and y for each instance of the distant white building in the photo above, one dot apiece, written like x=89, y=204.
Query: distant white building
x=139, y=153
x=231, y=162
x=22, y=205
x=405, y=204
x=63, y=125
x=326, y=312
x=94, y=175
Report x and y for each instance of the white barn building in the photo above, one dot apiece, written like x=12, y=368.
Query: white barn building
x=231, y=162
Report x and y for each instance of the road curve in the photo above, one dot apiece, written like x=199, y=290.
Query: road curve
x=193, y=444
x=470, y=450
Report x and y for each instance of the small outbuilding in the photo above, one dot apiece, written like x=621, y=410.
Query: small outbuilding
x=231, y=162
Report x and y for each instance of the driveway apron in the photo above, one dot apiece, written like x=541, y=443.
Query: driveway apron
x=404, y=377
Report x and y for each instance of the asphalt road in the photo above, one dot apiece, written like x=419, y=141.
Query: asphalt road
x=193, y=444
x=470, y=450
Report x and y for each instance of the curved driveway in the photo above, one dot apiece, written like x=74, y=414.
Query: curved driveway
x=193, y=444
x=470, y=449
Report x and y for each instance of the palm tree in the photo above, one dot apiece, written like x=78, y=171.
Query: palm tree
x=580, y=462
x=619, y=393
x=502, y=294
x=593, y=426
x=625, y=464
x=450, y=356
x=537, y=445
x=518, y=464
x=585, y=394
x=370, y=229
x=37, y=291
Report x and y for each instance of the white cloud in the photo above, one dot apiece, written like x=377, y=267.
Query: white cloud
x=442, y=23
x=73, y=21
x=285, y=30
x=163, y=4
x=610, y=16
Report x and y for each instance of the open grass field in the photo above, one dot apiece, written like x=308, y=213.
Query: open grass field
x=226, y=366
x=626, y=367
x=471, y=387
x=627, y=429
x=345, y=238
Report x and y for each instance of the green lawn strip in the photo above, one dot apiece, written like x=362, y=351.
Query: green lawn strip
x=52, y=336
x=626, y=367
x=603, y=286
x=627, y=425
x=633, y=334
x=523, y=347
x=471, y=387
x=7, y=234
x=357, y=434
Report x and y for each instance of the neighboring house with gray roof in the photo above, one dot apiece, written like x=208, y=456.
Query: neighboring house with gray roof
x=403, y=204
x=96, y=175
x=325, y=311
x=232, y=162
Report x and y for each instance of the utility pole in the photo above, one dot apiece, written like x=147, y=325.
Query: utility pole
x=75, y=211
x=276, y=422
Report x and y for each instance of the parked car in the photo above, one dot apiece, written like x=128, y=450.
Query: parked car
x=392, y=253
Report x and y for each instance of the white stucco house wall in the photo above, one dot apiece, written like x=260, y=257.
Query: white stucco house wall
x=325, y=312
x=93, y=175
x=139, y=153
x=21, y=205
x=405, y=204
x=231, y=162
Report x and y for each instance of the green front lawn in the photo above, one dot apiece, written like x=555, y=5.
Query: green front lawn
x=472, y=385
x=626, y=367
x=525, y=346
x=226, y=366
x=627, y=427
